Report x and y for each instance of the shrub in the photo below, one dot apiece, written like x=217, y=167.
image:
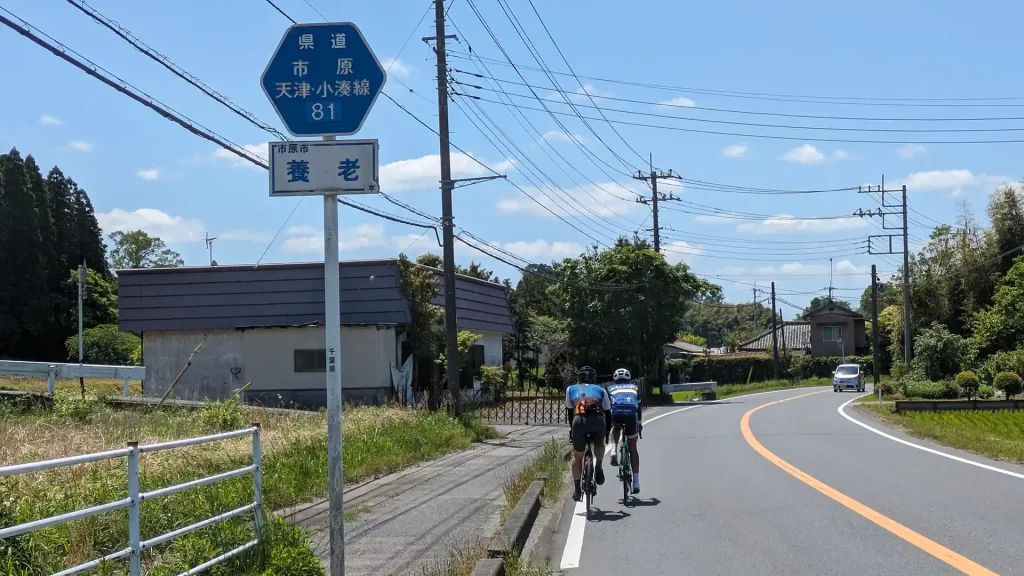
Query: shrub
x=222, y=416
x=492, y=377
x=892, y=388
x=678, y=369
x=105, y=344
x=986, y=392
x=74, y=408
x=931, y=390
x=1009, y=382
x=939, y=353
x=969, y=383
x=1009, y=361
x=804, y=367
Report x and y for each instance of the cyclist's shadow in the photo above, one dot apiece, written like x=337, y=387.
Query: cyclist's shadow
x=598, y=515
x=640, y=503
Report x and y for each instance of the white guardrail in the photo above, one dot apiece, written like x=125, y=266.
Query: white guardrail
x=136, y=546
x=53, y=370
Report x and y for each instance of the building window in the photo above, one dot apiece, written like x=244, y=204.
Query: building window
x=311, y=360
x=831, y=333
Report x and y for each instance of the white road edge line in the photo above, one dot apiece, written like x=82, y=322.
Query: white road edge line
x=925, y=448
x=574, y=539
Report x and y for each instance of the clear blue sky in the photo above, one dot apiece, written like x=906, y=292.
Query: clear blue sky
x=142, y=171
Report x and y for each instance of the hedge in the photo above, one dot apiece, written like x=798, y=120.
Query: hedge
x=736, y=369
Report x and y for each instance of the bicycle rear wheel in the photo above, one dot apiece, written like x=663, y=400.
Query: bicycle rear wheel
x=626, y=473
x=588, y=478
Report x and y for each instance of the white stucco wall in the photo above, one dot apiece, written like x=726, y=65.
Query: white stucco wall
x=264, y=356
x=492, y=342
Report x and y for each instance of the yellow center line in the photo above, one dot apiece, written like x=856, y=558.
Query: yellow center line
x=937, y=550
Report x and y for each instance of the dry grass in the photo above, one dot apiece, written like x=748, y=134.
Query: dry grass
x=98, y=387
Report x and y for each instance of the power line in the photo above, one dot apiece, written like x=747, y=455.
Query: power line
x=760, y=136
x=696, y=107
x=159, y=58
x=276, y=7
x=836, y=100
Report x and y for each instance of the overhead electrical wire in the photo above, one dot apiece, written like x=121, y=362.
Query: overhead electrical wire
x=697, y=107
x=763, y=125
x=838, y=100
x=761, y=136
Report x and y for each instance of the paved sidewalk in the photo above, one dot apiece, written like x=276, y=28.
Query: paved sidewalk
x=412, y=518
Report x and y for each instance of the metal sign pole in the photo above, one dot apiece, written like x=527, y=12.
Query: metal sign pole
x=332, y=321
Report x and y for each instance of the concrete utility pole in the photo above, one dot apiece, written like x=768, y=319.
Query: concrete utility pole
x=653, y=177
x=882, y=211
x=874, y=331
x=775, y=339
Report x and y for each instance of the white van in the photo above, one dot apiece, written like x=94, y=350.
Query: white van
x=848, y=377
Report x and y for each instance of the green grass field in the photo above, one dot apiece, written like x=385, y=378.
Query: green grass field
x=997, y=434
x=377, y=441
x=97, y=387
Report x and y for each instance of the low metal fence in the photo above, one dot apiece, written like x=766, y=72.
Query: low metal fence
x=136, y=545
x=53, y=370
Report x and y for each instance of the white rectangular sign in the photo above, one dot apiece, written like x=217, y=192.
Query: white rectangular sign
x=321, y=168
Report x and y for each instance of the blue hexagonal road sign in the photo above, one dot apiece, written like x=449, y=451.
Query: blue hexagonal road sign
x=323, y=79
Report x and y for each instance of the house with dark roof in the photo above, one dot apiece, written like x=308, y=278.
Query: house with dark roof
x=794, y=336
x=837, y=331
x=264, y=325
x=683, y=348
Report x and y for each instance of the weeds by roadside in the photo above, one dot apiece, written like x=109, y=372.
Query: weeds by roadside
x=98, y=387
x=998, y=434
x=552, y=461
x=378, y=441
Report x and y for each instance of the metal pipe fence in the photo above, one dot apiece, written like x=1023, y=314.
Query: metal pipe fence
x=136, y=545
x=54, y=370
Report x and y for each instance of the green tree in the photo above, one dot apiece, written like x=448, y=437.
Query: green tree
x=887, y=294
x=91, y=248
x=99, y=299
x=969, y=383
x=551, y=339
x=519, y=344
x=624, y=303
x=105, y=344
x=939, y=353
x=819, y=301
x=1001, y=327
x=137, y=249
x=475, y=269
x=420, y=287
x=25, y=282
x=692, y=339
x=1006, y=211
x=1009, y=383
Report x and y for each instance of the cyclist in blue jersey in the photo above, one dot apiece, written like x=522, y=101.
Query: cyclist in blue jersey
x=588, y=411
x=626, y=417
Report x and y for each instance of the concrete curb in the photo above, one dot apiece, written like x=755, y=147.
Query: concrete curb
x=513, y=535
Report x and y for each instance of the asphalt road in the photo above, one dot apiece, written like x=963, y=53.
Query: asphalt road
x=821, y=495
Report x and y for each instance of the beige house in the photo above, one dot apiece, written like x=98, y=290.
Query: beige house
x=837, y=331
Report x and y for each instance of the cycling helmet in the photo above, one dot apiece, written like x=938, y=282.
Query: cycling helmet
x=587, y=375
x=622, y=375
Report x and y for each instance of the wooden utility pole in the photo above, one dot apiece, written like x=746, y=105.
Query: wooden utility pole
x=874, y=330
x=775, y=339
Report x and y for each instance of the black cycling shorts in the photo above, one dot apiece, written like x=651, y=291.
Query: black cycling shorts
x=584, y=425
x=629, y=424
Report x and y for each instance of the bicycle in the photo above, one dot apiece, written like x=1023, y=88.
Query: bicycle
x=587, y=480
x=625, y=470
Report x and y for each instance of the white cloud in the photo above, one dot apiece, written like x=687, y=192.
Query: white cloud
x=307, y=239
x=809, y=154
x=47, y=120
x=679, y=251
x=170, y=229
x=542, y=249
x=712, y=219
x=81, y=145
x=806, y=154
x=735, y=151
x=580, y=95
x=560, y=136
x=150, y=174
x=256, y=151
x=842, y=266
x=679, y=102
x=425, y=171
x=953, y=180
x=588, y=201
x=154, y=222
x=397, y=67
x=910, y=150
x=245, y=236
x=786, y=224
